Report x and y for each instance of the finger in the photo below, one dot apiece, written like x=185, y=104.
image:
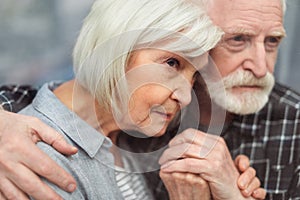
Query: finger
x=10, y=191
x=30, y=183
x=183, y=190
x=175, y=152
x=255, y=184
x=183, y=151
x=1, y=195
x=242, y=162
x=196, y=181
x=170, y=184
x=194, y=136
x=193, y=150
x=46, y=168
x=51, y=137
x=190, y=165
x=259, y=193
x=210, y=142
x=246, y=178
x=186, y=185
x=199, y=185
x=186, y=136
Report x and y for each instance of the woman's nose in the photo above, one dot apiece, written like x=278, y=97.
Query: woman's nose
x=182, y=93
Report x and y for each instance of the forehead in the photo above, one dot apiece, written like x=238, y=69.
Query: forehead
x=247, y=15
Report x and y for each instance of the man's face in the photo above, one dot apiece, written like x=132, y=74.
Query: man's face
x=247, y=53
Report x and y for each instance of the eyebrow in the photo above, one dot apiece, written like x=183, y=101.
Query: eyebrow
x=240, y=30
x=279, y=33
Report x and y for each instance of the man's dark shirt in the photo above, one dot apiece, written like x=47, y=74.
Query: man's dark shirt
x=271, y=140
x=14, y=97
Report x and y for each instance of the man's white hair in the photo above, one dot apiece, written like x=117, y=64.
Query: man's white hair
x=115, y=28
x=206, y=2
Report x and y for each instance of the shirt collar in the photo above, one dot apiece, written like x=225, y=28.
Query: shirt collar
x=85, y=136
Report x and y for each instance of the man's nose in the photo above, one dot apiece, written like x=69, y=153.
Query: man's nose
x=256, y=61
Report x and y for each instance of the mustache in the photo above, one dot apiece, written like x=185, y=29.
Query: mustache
x=246, y=78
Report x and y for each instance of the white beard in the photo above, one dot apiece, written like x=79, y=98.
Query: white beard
x=246, y=102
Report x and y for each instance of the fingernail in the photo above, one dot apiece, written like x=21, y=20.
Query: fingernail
x=71, y=187
x=243, y=184
x=244, y=166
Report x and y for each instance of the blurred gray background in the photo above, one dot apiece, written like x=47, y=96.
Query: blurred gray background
x=37, y=37
x=288, y=66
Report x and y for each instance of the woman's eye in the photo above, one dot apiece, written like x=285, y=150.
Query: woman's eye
x=173, y=62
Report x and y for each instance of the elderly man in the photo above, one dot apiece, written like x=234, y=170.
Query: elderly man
x=245, y=59
x=262, y=118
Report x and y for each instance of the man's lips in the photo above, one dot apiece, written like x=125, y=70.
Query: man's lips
x=247, y=87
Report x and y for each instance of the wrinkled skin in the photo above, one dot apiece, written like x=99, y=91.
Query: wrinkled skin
x=196, y=152
x=21, y=164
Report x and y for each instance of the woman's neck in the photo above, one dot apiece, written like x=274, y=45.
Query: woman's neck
x=81, y=102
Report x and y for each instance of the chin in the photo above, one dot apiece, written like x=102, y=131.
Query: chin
x=244, y=103
x=154, y=131
x=159, y=134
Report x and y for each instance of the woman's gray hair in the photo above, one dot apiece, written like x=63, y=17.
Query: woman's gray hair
x=115, y=28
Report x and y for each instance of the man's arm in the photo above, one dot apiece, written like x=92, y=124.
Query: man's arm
x=18, y=135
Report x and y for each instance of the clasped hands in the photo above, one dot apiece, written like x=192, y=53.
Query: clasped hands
x=198, y=165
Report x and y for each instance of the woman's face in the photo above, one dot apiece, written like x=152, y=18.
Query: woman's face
x=160, y=85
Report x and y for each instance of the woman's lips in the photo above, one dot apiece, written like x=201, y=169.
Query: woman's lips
x=166, y=116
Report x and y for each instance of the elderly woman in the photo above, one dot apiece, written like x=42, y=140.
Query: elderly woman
x=135, y=62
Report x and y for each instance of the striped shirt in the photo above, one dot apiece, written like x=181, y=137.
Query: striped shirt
x=132, y=185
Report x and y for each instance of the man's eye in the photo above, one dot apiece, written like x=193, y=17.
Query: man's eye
x=173, y=62
x=237, y=42
x=272, y=43
x=238, y=38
